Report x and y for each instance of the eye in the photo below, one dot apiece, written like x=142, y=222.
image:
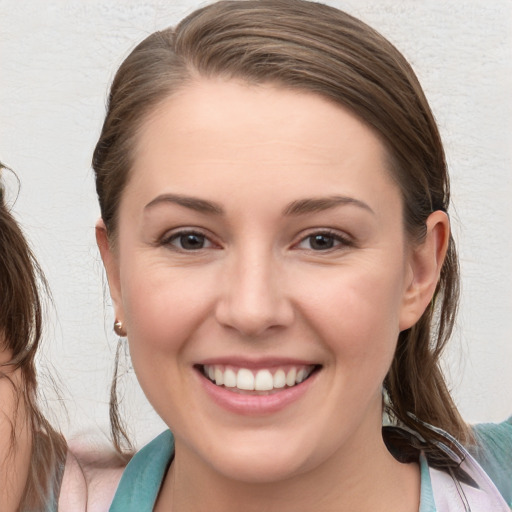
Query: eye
x=322, y=241
x=189, y=241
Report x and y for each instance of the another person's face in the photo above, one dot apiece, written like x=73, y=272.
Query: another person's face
x=260, y=242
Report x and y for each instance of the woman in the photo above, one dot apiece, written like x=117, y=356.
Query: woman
x=32, y=452
x=273, y=193
x=37, y=471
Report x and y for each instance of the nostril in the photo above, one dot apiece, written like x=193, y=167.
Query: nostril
x=253, y=316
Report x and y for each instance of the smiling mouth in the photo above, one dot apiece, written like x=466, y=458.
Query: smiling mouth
x=262, y=382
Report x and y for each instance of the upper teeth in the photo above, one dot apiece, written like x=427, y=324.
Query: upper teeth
x=260, y=380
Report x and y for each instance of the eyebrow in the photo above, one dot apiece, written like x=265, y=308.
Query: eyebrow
x=312, y=205
x=193, y=203
x=299, y=207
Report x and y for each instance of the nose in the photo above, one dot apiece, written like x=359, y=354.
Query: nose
x=253, y=299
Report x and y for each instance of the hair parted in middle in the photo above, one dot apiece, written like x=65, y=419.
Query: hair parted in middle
x=308, y=47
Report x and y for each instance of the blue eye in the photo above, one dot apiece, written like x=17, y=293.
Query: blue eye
x=189, y=241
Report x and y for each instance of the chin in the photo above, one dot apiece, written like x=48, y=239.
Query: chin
x=257, y=471
x=267, y=462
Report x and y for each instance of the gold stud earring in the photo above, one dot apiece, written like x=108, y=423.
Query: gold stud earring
x=118, y=329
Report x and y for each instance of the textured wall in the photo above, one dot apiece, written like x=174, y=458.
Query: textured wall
x=56, y=60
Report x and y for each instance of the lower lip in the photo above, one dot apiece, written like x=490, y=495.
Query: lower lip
x=256, y=405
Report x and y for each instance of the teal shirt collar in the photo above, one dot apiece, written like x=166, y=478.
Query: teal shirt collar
x=143, y=477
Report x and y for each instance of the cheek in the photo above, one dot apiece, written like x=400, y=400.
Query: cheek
x=162, y=305
x=358, y=315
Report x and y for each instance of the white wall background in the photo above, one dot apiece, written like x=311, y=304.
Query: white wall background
x=56, y=61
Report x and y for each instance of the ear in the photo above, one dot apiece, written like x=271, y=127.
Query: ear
x=111, y=264
x=425, y=263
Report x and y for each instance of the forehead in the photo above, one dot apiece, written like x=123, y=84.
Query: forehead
x=227, y=104
x=254, y=134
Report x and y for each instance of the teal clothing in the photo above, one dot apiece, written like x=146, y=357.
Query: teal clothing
x=494, y=453
x=142, y=478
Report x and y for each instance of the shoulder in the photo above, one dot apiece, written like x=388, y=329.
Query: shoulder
x=493, y=451
x=91, y=477
x=494, y=443
x=15, y=435
x=144, y=474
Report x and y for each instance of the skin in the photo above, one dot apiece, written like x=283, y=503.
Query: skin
x=14, y=460
x=258, y=289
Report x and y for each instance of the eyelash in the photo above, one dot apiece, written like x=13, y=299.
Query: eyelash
x=168, y=240
x=338, y=240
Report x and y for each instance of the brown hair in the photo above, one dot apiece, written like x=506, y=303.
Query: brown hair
x=21, y=313
x=310, y=47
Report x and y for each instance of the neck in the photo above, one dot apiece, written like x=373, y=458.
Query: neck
x=358, y=479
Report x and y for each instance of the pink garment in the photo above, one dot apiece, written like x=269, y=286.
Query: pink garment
x=451, y=495
x=89, y=482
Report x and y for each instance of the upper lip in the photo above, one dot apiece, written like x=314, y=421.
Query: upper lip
x=267, y=362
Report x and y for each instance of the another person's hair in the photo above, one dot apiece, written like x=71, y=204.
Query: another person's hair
x=309, y=47
x=21, y=311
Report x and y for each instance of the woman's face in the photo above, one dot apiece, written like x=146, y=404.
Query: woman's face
x=261, y=245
